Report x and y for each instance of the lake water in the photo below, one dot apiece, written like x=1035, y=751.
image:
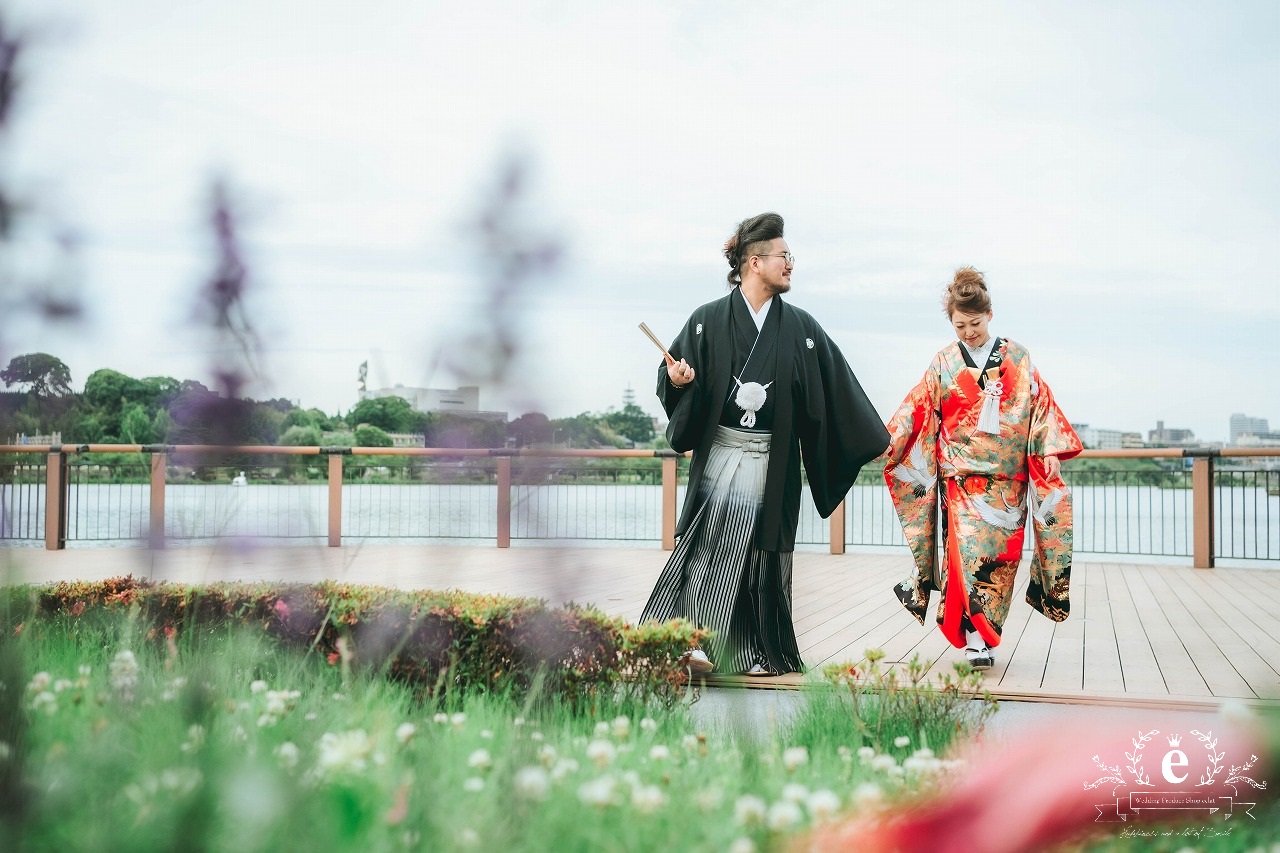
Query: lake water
x=1136, y=520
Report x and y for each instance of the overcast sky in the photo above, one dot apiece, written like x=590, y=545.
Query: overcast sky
x=1111, y=167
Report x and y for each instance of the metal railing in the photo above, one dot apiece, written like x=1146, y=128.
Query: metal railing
x=161, y=493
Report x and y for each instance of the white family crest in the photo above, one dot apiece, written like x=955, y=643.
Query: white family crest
x=808, y=342
x=698, y=329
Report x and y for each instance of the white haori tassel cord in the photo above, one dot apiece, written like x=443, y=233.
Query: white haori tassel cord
x=989, y=419
x=750, y=398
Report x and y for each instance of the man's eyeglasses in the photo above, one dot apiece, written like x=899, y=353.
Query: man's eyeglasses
x=790, y=258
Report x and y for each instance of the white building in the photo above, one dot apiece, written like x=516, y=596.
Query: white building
x=1104, y=439
x=1241, y=425
x=461, y=401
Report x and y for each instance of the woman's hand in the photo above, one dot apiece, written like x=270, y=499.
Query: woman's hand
x=680, y=373
x=1052, y=467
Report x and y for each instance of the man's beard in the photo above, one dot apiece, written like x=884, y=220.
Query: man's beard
x=781, y=287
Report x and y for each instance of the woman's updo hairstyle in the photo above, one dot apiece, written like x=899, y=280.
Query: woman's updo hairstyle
x=746, y=241
x=967, y=293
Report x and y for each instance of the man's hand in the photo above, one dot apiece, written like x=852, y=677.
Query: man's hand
x=679, y=372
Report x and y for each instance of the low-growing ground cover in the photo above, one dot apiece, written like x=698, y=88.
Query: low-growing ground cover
x=116, y=736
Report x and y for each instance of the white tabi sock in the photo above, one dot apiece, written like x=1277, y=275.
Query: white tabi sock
x=974, y=640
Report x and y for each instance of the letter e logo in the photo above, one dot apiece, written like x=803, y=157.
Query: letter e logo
x=1174, y=758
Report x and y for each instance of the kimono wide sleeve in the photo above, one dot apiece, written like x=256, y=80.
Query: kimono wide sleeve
x=844, y=431
x=911, y=472
x=686, y=407
x=1049, y=504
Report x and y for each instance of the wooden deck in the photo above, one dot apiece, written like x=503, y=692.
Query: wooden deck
x=1138, y=634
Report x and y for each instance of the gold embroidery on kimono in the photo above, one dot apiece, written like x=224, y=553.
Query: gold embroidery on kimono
x=949, y=475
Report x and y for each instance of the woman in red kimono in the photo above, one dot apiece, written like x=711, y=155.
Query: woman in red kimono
x=976, y=448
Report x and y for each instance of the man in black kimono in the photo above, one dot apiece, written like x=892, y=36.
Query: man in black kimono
x=754, y=387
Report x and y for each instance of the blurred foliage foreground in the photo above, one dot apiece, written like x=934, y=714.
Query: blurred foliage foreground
x=150, y=716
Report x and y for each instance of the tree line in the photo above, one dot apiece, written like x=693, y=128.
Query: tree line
x=115, y=408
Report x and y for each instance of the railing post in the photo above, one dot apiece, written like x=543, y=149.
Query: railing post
x=55, y=501
x=837, y=529
x=335, y=500
x=669, y=502
x=504, y=501
x=1202, y=494
x=159, y=464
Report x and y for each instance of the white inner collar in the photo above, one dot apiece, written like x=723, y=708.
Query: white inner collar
x=757, y=316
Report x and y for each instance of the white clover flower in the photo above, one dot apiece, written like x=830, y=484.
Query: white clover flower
x=865, y=754
x=902, y=741
x=310, y=716
x=258, y=686
x=45, y=701
x=518, y=722
x=124, y=672
x=793, y=757
x=243, y=706
x=40, y=682
x=564, y=767
x=473, y=785
x=689, y=742
x=867, y=795
x=794, y=793
x=602, y=729
x=485, y=734
x=182, y=780
x=458, y=721
x=845, y=753
x=5, y=751
x=547, y=755
x=468, y=837
x=601, y=753
x=621, y=727
x=648, y=724
x=339, y=697
x=195, y=738
x=708, y=799
x=742, y=844
x=783, y=815
x=239, y=735
x=276, y=705
x=924, y=752
x=441, y=719
x=85, y=670
x=405, y=732
x=884, y=763
x=647, y=799
x=631, y=778
x=823, y=805
x=597, y=792
x=896, y=771
x=61, y=684
x=267, y=720
x=344, y=752
x=480, y=760
x=532, y=783
x=658, y=752
x=287, y=754
x=749, y=810
x=535, y=737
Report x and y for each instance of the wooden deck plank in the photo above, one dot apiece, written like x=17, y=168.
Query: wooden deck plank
x=1102, y=670
x=1213, y=666
x=1138, y=663
x=1179, y=670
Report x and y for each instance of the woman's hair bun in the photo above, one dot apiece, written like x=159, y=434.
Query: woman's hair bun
x=967, y=293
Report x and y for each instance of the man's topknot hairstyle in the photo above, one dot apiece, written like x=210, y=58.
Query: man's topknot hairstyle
x=746, y=241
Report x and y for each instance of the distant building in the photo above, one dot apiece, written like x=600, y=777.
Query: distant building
x=1171, y=437
x=23, y=438
x=1103, y=439
x=1241, y=425
x=463, y=401
x=1131, y=439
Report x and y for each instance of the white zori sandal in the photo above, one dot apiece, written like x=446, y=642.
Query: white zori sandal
x=980, y=658
x=696, y=661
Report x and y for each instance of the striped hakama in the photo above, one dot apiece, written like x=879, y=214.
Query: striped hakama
x=718, y=579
